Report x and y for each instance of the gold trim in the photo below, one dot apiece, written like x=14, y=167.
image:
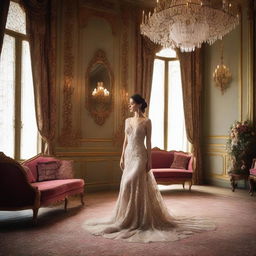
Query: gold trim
x=216, y=144
x=90, y=184
x=240, y=92
x=223, y=163
x=95, y=140
x=84, y=154
x=218, y=137
x=250, y=87
x=215, y=150
x=97, y=160
x=222, y=177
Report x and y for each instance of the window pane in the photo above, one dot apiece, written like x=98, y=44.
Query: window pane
x=177, y=139
x=28, y=117
x=156, y=106
x=16, y=19
x=167, y=52
x=7, y=96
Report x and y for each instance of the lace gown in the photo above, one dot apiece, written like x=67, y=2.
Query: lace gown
x=140, y=214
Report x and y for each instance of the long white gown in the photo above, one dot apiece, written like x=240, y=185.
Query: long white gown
x=140, y=214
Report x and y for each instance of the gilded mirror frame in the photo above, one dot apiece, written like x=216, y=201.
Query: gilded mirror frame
x=99, y=110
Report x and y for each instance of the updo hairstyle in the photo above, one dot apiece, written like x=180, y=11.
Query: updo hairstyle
x=139, y=100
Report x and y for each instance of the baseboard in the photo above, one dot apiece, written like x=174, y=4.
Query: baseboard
x=95, y=187
x=226, y=183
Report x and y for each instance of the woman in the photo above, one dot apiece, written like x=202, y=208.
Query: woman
x=140, y=214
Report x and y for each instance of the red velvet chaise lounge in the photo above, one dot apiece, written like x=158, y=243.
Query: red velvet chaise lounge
x=172, y=167
x=21, y=189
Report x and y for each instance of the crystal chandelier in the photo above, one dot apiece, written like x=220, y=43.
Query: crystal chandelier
x=186, y=24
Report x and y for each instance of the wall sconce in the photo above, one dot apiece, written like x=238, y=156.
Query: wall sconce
x=221, y=75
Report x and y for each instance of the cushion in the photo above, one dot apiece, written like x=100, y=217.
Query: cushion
x=66, y=170
x=47, y=170
x=161, y=158
x=172, y=173
x=180, y=161
x=54, y=188
x=30, y=176
x=253, y=171
x=32, y=163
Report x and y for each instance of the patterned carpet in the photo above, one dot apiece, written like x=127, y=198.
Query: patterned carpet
x=60, y=233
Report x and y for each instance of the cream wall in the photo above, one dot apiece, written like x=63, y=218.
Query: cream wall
x=220, y=111
x=83, y=28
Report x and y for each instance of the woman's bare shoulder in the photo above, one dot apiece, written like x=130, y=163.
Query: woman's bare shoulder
x=148, y=120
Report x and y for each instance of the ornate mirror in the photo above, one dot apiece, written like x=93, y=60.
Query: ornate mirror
x=99, y=88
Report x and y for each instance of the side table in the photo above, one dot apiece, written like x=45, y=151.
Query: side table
x=234, y=177
x=252, y=183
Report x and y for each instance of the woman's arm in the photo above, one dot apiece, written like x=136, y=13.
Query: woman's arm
x=124, y=146
x=148, y=143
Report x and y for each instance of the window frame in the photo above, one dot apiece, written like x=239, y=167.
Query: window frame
x=166, y=93
x=19, y=38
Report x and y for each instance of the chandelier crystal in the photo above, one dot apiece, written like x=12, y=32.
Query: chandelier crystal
x=186, y=24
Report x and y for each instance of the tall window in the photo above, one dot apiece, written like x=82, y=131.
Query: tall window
x=166, y=103
x=18, y=137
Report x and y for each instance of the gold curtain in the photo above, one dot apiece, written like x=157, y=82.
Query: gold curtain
x=42, y=37
x=145, y=56
x=3, y=18
x=191, y=76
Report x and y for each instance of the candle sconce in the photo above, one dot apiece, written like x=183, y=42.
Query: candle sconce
x=222, y=75
x=99, y=88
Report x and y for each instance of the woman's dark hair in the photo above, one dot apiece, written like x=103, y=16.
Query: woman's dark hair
x=139, y=100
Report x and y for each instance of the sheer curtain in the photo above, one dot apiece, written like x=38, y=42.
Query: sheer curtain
x=156, y=106
x=177, y=137
x=166, y=95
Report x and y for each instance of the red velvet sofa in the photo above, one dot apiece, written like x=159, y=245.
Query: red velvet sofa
x=165, y=174
x=20, y=190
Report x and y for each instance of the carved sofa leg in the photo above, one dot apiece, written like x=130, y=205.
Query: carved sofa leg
x=183, y=184
x=190, y=185
x=82, y=198
x=35, y=213
x=66, y=204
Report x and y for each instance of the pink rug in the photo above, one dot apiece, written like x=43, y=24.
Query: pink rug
x=60, y=233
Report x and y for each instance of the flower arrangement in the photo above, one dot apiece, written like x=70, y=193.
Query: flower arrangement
x=240, y=145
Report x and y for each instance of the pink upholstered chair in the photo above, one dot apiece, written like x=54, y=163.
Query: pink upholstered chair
x=19, y=188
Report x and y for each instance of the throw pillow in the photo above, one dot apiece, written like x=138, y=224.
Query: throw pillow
x=29, y=174
x=180, y=161
x=47, y=170
x=65, y=170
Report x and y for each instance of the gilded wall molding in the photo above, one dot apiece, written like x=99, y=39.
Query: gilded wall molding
x=68, y=137
x=87, y=154
x=118, y=135
x=250, y=46
x=240, y=92
x=96, y=140
x=225, y=163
